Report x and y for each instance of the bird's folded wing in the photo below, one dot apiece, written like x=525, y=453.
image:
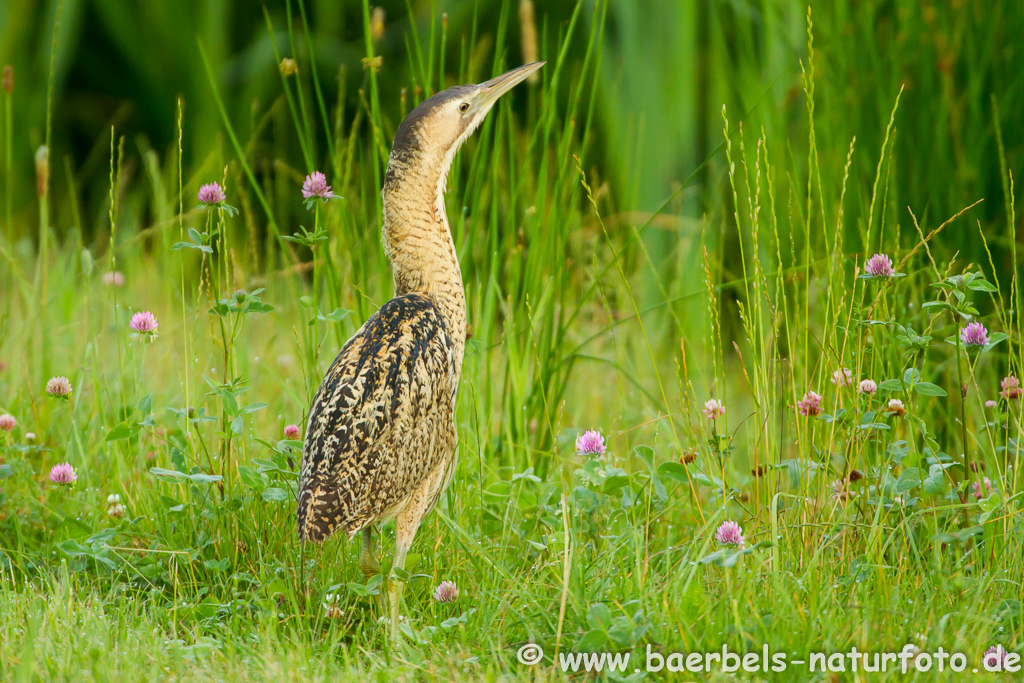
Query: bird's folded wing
x=380, y=419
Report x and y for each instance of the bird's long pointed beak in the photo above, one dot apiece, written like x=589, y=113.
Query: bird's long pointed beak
x=496, y=87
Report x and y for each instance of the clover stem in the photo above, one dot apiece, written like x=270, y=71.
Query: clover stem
x=963, y=425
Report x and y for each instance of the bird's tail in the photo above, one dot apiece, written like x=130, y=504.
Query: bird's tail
x=321, y=514
x=318, y=516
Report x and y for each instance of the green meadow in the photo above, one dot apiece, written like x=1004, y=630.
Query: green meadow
x=668, y=237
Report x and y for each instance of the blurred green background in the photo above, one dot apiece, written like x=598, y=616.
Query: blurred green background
x=666, y=68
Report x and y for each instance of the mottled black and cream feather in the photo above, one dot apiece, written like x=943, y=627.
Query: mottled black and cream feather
x=388, y=396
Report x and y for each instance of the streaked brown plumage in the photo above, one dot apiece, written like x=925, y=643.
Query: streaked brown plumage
x=390, y=393
x=381, y=437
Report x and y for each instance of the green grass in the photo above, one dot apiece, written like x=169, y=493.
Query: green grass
x=615, y=281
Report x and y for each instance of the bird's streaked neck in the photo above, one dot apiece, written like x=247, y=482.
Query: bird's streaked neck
x=416, y=236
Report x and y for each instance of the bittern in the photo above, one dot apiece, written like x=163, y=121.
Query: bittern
x=381, y=438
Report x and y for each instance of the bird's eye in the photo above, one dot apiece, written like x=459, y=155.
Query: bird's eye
x=464, y=107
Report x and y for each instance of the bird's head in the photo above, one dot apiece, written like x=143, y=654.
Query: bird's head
x=441, y=123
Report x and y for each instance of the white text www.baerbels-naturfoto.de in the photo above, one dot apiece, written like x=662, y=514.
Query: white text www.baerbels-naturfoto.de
x=907, y=660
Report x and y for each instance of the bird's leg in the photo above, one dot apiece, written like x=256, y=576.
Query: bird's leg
x=396, y=584
x=406, y=524
x=368, y=563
